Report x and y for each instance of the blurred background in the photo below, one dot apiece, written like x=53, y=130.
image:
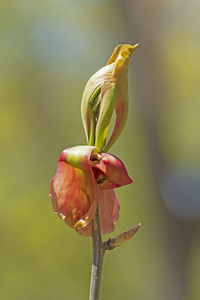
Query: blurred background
x=48, y=51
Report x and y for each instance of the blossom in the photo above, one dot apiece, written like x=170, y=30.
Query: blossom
x=86, y=177
x=105, y=92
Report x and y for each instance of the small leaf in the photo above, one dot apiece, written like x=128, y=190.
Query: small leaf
x=122, y=238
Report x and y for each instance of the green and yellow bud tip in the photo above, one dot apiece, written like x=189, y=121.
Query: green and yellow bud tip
x=125, y=51
x=121, y=57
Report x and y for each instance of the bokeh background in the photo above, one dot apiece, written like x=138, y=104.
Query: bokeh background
x=48, y=50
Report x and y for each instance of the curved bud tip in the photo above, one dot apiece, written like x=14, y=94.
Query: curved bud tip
x=123, y=50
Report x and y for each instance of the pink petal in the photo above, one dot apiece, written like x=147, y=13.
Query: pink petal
x=108, y=213
x=108, y=210
x=114, y=172
x=73, y=194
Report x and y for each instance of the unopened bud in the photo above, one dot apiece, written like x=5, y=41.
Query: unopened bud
x=106, y=91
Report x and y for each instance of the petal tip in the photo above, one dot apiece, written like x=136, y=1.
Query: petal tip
x=129, y=181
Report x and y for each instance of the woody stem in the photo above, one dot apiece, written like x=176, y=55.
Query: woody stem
x=97, y=260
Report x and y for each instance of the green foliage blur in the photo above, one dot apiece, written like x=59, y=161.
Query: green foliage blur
x=48, y=51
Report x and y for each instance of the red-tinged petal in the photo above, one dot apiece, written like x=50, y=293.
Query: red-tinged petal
x=111, y=172
x=108, y=210
x=73, y=194
x=108, y=213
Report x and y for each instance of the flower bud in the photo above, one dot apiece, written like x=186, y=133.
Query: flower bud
x=106, y=91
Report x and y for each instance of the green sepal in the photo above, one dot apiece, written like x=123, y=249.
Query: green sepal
x=108, y=100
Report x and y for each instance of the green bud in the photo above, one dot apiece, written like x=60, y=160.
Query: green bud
x=105, y=92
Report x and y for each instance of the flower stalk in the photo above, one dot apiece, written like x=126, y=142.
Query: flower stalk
x=99, y=249
x=97, y=260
